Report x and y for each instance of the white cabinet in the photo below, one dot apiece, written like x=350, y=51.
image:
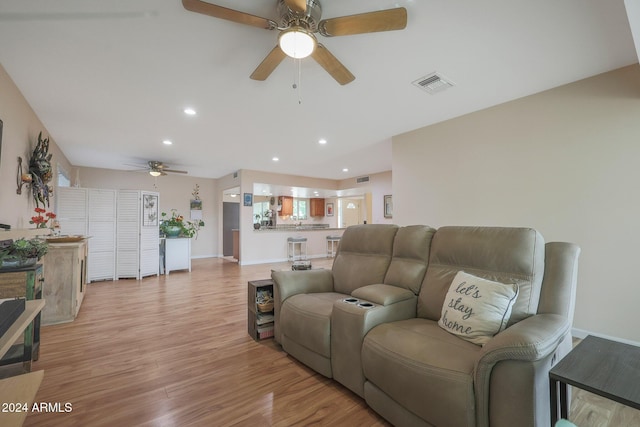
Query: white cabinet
x=137, y=234
x=177, y=254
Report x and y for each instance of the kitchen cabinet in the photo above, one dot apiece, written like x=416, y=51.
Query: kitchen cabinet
x=317, y=207
x=285, y=205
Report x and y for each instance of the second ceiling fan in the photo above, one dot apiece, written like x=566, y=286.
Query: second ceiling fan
x=299, y=21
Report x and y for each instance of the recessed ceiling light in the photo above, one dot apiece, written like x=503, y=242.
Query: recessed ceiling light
x=322, y=141
x=190, y=111
x=345, y=170
x=275, y=159
x=167, y=142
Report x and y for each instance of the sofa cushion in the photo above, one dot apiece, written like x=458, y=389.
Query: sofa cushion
x=363, y=256
x=410, y=257
x=501, y=254
x=306, y=320
x=424, y=369
x=476, y=309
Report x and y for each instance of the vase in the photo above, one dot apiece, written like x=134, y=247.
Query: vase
x=172, y=231
x=25, y=262
x=10, y=263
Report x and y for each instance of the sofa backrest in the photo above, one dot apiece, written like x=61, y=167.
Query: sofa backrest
x=410, y=257
x=363, y=256
x=506, y=255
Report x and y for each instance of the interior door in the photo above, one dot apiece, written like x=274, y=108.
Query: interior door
x=230, y=221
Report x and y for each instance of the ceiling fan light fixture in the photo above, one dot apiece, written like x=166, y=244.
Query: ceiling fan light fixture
x=296, y=42
x=155, y=173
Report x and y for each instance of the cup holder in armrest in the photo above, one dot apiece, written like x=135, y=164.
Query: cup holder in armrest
x=365, y=305
x=351, y=300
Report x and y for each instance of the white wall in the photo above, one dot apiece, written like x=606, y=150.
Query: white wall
x=564, y=161
x=20, y=136
x=175, y=193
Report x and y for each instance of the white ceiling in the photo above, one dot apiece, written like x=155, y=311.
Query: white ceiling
x=109, y=80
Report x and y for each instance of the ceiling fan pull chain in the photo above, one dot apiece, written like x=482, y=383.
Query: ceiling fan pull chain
x=299, y=80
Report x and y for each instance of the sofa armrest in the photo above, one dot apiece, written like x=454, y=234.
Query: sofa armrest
x=289, y=283
x=383, y=294
x=529, y=340
x=350, y=323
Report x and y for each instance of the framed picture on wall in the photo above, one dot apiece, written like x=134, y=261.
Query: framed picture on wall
x=195, y=206
x=248, y=199
x=329, y=209
x=388, y=206
x=150, y=210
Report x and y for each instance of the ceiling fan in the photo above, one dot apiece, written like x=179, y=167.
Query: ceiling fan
x=299, y=20
x=157, y=168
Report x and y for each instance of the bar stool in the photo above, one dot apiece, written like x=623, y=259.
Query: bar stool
x=291, y=248
x=332, y=245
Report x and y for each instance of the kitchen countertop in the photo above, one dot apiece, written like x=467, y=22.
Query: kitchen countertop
x=297, y=228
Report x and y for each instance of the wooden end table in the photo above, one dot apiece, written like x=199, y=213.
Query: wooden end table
x=607, y=368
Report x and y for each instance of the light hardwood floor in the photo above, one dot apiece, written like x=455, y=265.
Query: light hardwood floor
x=174, y=351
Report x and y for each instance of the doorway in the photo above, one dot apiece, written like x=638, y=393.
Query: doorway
x=230, y=219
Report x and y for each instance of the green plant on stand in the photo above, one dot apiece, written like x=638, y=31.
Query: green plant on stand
x=177, y=226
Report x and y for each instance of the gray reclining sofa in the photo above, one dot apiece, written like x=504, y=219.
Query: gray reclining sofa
x=383, y=323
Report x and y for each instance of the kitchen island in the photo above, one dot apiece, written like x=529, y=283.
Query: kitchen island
x=269, y=244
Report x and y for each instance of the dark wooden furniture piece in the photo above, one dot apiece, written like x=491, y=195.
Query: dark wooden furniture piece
x=607, y=368
x=25, y=282
x=259, y=318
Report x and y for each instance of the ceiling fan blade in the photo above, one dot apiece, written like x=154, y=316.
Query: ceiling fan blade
x=371, y=22
x=173, y=171
x=297, y=5
x=228, y=14
x=331, y=64
x=268, y=64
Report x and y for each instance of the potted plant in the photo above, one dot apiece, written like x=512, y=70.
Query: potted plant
x=177, y=226
x=256, y=224
x=23, y=252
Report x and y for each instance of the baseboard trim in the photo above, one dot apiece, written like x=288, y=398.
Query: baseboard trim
x=581, y=333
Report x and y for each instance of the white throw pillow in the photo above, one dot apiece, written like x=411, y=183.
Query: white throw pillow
x=476, y=309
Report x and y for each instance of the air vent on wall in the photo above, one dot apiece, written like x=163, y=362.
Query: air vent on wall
x=362, y=179
x=433, y=83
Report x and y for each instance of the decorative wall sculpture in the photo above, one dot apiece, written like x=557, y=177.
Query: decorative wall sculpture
x=41, y=173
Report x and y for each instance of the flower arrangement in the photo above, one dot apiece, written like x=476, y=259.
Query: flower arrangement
x=176, y=225
x=42, y=221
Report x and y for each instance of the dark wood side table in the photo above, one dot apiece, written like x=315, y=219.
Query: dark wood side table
x=259, y=322
x=607, y=368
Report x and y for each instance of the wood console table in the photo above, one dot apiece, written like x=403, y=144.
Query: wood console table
x=607, y=368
